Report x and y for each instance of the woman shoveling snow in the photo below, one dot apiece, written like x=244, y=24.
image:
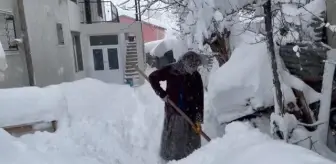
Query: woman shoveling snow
x=184, y=88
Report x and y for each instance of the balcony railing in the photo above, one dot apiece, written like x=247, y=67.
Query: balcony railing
x=98, y=11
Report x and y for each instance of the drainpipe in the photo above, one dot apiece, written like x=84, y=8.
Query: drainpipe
x=25, y=40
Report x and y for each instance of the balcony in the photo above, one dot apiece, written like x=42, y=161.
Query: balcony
x=98, y=11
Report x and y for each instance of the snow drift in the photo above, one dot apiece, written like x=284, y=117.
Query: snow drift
x=244, y=144
x=31, y=104
x=244, y=84
x=105, y=123
x=102, y=123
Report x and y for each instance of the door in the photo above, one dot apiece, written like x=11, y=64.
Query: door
x=106, y=64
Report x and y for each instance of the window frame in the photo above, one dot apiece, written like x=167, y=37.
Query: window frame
x=77, y=51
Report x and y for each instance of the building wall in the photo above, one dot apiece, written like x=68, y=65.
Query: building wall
x=112, y=28
x=150, y=32
x=74, y=23
x=53, y=63
x=16, y=74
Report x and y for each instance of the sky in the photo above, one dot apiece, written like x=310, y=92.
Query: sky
x=156, y=17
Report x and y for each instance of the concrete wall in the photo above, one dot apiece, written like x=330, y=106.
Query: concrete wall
x=16, y=74
x=111, y=28
x=52, y=63
x=331, y=17
x=74, y=22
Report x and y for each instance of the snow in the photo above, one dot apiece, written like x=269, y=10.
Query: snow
x=285, y=124
x=160, y=47
x=244, y=144
x=244, y=84
x=103, y=123
x=107, y=123
x=30, y=104
x=298, y=18
x=3, y=63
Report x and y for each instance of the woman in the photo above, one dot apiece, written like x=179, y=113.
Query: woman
x=185, y=89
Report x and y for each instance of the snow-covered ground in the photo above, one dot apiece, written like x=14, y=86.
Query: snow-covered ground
x=115, y=124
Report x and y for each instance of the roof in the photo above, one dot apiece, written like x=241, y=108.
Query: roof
x=147, y=20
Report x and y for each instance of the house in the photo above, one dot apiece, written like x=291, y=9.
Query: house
x=152, y=29
x=54, y=41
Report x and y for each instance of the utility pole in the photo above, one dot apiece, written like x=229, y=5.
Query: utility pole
x=139, y=10
x=25, y=40
x=136, y=10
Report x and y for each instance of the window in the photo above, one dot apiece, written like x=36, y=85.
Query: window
x=98, y=59
x=113, y=58
x=103, y=40
x=78, y=57
x=99, y=8
x=60, y=36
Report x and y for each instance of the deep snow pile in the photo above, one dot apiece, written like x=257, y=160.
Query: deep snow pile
x=106, y=124
x=31, y=104
x=243, y=144
x=103, y=124
x=244, y=83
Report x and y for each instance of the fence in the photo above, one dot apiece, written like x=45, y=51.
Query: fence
x=98, y=11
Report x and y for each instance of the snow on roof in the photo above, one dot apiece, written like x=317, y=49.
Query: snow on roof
x=160, y=47
x=244, y=83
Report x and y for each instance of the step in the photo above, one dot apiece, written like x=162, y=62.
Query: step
x=131, y=60
x=131, y=63
x=131, y=56
x=131, y=73
x=131, y=53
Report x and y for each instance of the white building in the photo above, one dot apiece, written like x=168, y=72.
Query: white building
x=66, y=40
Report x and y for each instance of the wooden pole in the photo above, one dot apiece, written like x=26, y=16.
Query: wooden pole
x=177, y=108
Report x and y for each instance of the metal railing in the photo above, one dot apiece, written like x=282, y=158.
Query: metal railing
x=98, y=12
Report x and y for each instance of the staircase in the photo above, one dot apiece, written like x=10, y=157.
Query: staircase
x=131, y=75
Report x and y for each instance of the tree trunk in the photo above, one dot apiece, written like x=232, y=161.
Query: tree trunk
x=270, y=46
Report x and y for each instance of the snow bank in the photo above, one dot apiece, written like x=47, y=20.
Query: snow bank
x=31, y=104
x=103, y=123
x=243, y=144
x=13, y=151
x=244, y=84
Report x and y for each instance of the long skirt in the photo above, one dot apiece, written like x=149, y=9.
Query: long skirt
x=178, y=138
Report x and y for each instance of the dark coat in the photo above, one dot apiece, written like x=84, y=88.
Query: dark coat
x=192, y=85
x=178, y=138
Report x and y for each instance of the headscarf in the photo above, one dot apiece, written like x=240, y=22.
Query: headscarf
x=188, y=62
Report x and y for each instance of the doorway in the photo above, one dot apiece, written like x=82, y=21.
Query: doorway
x=106, y=58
